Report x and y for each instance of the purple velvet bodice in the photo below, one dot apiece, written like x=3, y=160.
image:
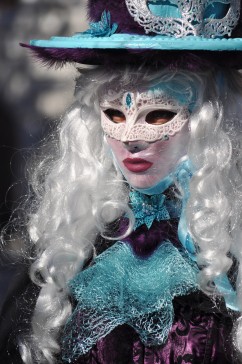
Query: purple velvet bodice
x=196, y=337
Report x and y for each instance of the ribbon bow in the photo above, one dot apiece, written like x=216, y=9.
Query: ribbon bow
x=146, y=209
x=102, y=28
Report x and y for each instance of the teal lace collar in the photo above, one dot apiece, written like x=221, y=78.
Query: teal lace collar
x=122, y=288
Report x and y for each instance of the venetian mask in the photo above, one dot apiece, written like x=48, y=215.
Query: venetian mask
x=148, y=133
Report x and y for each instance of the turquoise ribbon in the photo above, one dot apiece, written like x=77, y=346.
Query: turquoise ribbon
x=182, y=175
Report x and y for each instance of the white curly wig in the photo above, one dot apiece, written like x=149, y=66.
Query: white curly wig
x=78, y=191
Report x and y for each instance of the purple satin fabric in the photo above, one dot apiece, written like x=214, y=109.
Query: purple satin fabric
x=144, y=241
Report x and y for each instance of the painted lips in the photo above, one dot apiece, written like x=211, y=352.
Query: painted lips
x=137, y=164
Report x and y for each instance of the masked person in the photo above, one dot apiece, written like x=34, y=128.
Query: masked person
x=137, y=217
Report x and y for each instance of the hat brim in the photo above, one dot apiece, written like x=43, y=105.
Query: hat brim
x=119, y=48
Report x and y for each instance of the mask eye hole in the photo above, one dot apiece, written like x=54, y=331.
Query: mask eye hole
x=116, y=116
x=159, y=117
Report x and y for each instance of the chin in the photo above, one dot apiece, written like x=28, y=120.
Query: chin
x=142, y=181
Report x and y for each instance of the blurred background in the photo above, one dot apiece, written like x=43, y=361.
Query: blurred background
x=31, y=96
x=31, y=99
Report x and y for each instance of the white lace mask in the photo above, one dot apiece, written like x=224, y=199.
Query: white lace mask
x=136, y=108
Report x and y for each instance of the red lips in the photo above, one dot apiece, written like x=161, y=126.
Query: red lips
x=137, y=164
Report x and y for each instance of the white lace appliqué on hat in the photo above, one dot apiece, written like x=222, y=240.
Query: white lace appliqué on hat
x=181, y=18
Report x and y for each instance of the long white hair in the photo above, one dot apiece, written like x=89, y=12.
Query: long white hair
x=77, y=190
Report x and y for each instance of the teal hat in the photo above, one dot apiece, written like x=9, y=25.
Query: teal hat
x=153, y=31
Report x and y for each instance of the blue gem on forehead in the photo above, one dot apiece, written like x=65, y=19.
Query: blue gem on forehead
x=128, y=101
